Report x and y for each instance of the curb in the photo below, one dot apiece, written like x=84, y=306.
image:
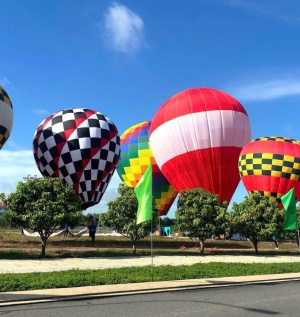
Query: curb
x=104, y=291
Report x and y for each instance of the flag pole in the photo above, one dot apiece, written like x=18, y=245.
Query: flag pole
x=151, y=252
x=298, y=240
x=143, y=192
x=298, y=233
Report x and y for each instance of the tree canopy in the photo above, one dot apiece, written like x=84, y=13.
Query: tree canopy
x=201, y=214
x=122, y=214
x=257, y=218
x=43, y=205
x=167, y=222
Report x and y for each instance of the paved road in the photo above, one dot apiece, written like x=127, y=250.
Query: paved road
x=279, y=299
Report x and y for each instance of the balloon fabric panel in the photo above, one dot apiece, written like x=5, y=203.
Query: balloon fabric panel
x=271, y=166
x=6, y=116
x=192, y=101
x=196, y=138
x=4, y=97
x=82, y=147
x=136, y=155
x=199, y=131
x=210, y=173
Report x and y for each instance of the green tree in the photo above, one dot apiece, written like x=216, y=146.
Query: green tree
x=43, y=205
x=166, y=222
x=4, y=223
x=257, y=218
x=121, y=216
x=73, y=219
x=201, y=214
x=88, y=215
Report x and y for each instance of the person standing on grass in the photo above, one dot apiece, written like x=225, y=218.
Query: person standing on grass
x=92, y=226
x=275, y=241
x=66, y=232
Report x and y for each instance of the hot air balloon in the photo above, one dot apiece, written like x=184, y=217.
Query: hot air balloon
x=196, y=137
x=271, y=166
x=82, y=147
x=6, y=116
x=136, y=155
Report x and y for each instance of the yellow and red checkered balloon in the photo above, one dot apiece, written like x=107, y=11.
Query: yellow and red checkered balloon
x=271, y=166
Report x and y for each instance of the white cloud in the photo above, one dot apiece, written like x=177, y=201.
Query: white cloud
x=4, y=82
x=13, y=146
x=14, y=166
x=124, y=29
x=272, y=9
x=41, y=111
x=266, y=89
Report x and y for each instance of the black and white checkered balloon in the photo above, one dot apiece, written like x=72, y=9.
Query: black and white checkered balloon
x=82, y=147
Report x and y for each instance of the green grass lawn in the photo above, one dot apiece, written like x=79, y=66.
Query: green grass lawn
x=76, y=278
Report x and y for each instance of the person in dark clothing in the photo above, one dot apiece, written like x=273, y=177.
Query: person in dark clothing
x=92, y=226
x=66, y=232
x=275, y=241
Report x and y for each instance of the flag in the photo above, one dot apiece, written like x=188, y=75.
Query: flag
x=289, y=203
x=143, y=192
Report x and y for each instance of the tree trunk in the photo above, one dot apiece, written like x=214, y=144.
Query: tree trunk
x=134, y=247
x=255, y=243
x=44, y=242
x=297, y=238
x=201, y=242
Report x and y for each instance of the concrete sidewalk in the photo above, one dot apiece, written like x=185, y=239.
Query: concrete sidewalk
x=51, y=265
x=47, y=265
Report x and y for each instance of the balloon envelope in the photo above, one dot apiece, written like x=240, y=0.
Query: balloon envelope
x=82, y=147
x=136, y=155
x=271, y=166
x=6, y=116
x=196, y=137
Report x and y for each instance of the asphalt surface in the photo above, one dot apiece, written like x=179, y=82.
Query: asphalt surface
x=50, y=265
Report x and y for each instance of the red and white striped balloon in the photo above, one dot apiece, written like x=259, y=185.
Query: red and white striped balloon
x=196, y=138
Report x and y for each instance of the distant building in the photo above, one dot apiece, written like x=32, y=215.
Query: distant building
x=3, y=208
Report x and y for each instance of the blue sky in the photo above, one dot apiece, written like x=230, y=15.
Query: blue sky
x=124, y=59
